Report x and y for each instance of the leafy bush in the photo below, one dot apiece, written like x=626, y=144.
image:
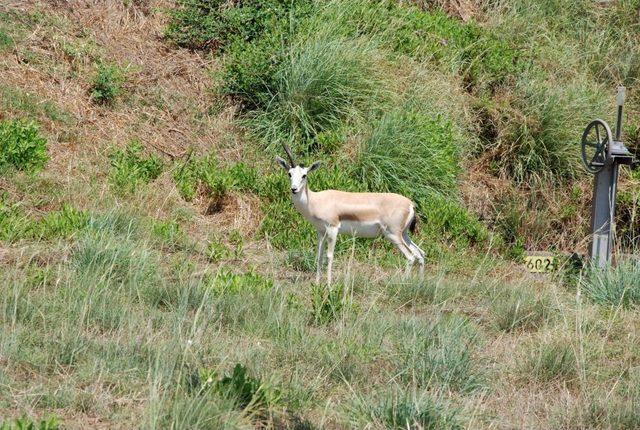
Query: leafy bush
x=250, y=33
x=129, y=167
x=15, y=224
x=199, y=24
x=107, y=84
x=616, y=286
x=169, y=234
x=448, y=219
x=29, y=424
x=226, y=282
x=482, y=57
x=204, y=175
x=243, y=389
x=21, y=145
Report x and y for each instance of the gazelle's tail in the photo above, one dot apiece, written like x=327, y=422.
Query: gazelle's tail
x=413, y=224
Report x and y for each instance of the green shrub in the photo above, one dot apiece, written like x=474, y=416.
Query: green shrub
x=243, y=177
x=169, y=234
x=199, y=24
x=250, y=33
x=6, y=41
x=450, y=220
x=401, y=410
x=614, y=286
x=107, y=84
x=29, y=424
x=16, y=224
x=249, y=70
x=65, y=222
x=245, y=390
x=204, y=175
x=226, y=282
x=129, y=168
x=216, y=250
x=21, y=145
x=479, y=55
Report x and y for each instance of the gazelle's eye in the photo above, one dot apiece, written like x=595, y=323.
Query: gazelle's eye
x=304, y=176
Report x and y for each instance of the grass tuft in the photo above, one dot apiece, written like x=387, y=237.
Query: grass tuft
x=520, y=309
x=551, y=361
x=614, y=286
x=440, y=354
x=400, y=410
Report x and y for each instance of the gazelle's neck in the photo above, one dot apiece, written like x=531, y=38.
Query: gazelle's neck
x=301, y=200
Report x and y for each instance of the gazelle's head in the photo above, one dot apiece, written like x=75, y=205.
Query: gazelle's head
x=297, y=173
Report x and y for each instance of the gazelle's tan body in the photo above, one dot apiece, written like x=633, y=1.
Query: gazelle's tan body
x=358, y=214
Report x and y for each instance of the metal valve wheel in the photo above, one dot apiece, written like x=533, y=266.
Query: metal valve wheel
x=596, y=145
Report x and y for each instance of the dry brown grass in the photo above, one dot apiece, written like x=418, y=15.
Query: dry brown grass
x=165, y=102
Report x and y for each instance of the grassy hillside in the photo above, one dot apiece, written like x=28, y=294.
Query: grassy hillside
x=154, y=273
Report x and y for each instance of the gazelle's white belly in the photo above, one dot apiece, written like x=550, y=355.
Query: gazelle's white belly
x=360, y=228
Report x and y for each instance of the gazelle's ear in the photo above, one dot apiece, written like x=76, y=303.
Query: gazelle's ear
x=314, y=166
x=282, y=163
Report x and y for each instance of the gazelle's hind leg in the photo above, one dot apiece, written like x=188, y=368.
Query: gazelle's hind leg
x=415, y=250
x=396, y=239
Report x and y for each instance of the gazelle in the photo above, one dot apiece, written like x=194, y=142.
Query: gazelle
x=358, y=214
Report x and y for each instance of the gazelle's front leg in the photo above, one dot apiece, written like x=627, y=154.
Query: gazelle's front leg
x=332, y=234
x=321, y=236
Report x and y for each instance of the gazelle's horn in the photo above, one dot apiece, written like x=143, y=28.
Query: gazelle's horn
x=288, y=151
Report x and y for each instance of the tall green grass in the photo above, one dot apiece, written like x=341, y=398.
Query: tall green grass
x=322, y=82
x=411, y=153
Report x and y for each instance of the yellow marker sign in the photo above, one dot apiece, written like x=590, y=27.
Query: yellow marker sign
x=540, y=263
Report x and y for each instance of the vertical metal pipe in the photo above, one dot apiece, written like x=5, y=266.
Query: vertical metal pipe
x=619, y=102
